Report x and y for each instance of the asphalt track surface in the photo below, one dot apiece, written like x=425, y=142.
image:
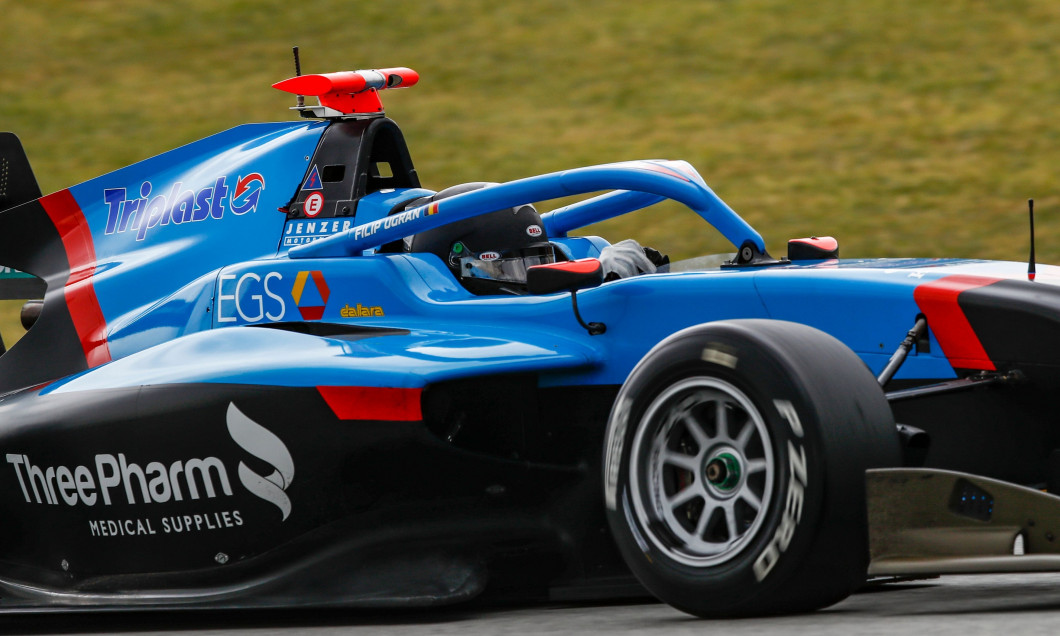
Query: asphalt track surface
x=1012, y=604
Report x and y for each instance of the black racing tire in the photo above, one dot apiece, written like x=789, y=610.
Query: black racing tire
x=734, y=472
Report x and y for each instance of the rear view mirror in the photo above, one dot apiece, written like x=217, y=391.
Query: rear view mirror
x=564, y=276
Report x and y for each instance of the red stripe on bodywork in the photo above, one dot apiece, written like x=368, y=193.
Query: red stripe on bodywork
x=938, y=301
x=373, y=403
x=81, y=299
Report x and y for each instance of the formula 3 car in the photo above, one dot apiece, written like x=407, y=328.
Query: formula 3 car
x=269, y=369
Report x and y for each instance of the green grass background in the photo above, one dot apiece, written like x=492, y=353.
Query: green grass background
x=901, y=127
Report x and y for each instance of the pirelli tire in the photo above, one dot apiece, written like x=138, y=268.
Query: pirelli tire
x=734, y=469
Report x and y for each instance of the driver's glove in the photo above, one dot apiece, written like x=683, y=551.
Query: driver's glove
x=626, y=258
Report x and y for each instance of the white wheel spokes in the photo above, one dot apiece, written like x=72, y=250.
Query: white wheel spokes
x=684, y=496
x=744, y=436
x=751, y=500
x=701, y=525
x=709, y=473
x=697, y=432
x=686, y=462
x=730, y=520
x=721, y=418
x=723, y=514
x=756, y=465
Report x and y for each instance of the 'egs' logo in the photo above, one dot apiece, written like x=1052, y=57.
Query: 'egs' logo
x=254, y=298
x=262, y=302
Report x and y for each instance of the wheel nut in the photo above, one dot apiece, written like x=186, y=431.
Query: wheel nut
x=723, y=472
x=716, y=471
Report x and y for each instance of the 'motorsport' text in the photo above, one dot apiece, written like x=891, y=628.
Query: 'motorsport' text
x=180, y=205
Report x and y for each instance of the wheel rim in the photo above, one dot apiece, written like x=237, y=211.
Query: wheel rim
x=701, y=471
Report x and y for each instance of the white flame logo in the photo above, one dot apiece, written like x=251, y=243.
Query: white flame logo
x=263, y=444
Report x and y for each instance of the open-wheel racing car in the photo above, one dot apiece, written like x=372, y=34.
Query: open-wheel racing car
x=381, y=395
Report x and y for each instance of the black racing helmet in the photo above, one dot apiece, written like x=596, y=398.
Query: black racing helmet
x=490, y=253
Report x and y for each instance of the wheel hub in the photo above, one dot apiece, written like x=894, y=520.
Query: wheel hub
x=723, y=471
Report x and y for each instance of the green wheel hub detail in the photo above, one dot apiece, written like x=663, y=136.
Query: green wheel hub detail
x=723, y=472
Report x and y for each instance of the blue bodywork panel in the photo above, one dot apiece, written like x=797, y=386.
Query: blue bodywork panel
x=160, y=227
x=192, y=259
x=443, y=332
x=275, y=357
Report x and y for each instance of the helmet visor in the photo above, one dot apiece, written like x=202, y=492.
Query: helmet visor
x=508, y=267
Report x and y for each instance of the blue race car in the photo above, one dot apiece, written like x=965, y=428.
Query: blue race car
x=269, y=369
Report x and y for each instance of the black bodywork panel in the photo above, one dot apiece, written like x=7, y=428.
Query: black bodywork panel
x=152, y=500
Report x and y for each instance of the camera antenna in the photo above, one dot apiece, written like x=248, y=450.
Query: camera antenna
x=1030, y=265
x=299, y=99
